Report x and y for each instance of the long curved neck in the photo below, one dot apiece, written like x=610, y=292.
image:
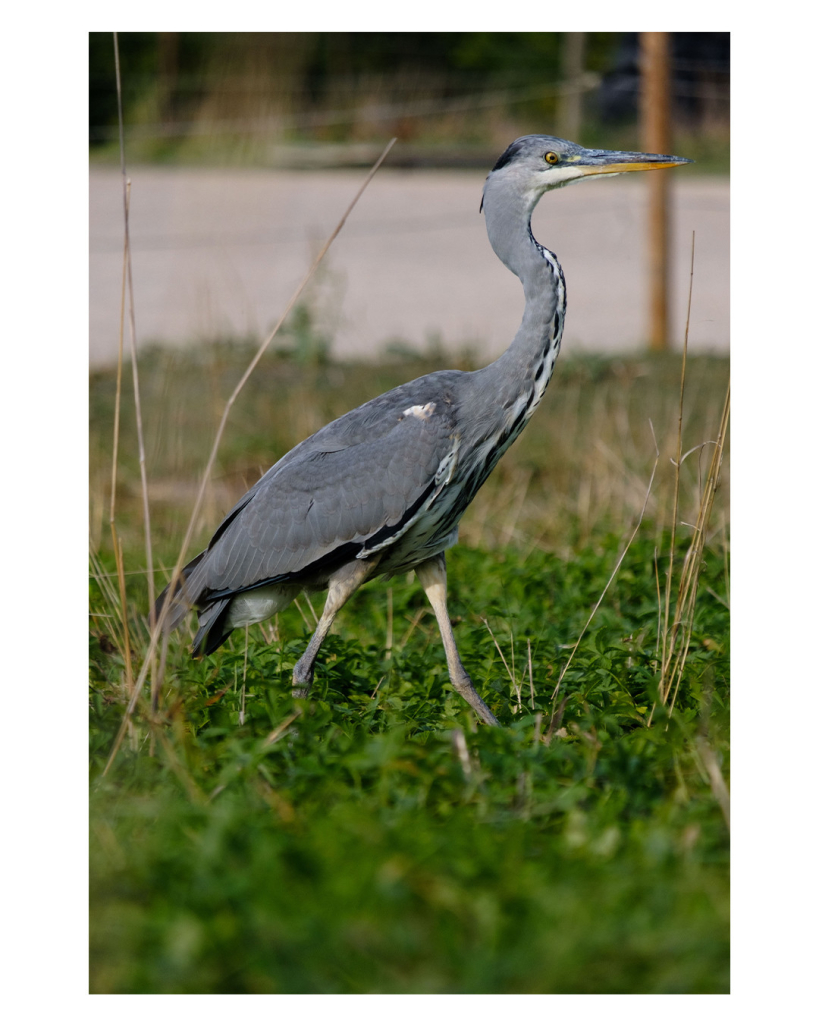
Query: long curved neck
x=509, y=390
x=532, y=354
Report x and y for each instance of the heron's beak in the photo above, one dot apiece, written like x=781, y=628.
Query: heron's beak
x=603, y=161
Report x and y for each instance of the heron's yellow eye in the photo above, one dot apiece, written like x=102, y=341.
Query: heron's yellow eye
x=551, y=158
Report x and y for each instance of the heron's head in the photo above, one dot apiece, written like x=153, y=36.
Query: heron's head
x=534, y=164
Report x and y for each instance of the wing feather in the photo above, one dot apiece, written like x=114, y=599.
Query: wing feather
x=323, y=497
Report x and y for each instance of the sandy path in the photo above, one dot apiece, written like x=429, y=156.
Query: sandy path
x=218, y=253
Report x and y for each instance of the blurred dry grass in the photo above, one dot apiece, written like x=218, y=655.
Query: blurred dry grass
x=581, y=467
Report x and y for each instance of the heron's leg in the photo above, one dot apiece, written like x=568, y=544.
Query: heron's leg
x=342, y=586
x=432, y=576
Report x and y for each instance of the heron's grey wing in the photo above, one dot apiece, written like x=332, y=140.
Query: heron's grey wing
x=309, y=506
x=368, y=423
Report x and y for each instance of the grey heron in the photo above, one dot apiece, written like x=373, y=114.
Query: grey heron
x=381, y=489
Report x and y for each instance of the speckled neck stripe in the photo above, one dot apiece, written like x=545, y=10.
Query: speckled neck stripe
x=544, y=364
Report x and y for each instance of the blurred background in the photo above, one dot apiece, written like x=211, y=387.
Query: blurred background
x=451, y=98
x=245, y=148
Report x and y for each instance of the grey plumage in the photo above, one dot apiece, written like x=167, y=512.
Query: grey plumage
x=381, y=489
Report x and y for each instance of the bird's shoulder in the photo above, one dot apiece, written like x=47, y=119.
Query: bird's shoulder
x=398, y=437
x=437, y=393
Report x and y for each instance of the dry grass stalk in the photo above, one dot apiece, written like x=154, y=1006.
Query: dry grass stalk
x=312, y=611
x=414, y=621
x=123, y=603
x=195, y=794
x=310, y=626
x=659, y=608
x=554, y=721
x=676, y=635
x=388, y=641
x=715, y=779
x=510, y=671
x=115, y=619
x=132, y=337
x=281, y=728
x=156, y=630
x=461, y=749
x=270, y=633
x=117, y=546
x=614, y=571
x=679, y=639
x=677, y=464
x=516, y=507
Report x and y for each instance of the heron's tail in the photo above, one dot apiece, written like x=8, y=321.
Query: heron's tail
x=212, y=631
x=182, y=599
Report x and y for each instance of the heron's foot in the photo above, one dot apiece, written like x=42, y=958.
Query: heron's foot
x=484, y=712
x=465, y=687
x=302, y=679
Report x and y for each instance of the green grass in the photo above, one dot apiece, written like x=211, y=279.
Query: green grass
x=382, y=841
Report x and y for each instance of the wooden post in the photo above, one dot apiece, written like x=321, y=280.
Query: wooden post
x=570, y=102
x=655, y=109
